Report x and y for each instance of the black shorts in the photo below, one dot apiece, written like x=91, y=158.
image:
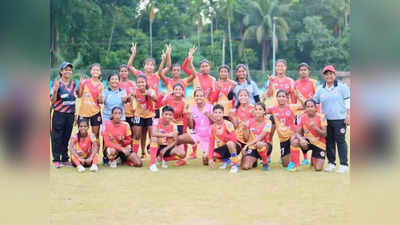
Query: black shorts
x=180, y=129
x=142, y=122
x=254, y=152
x=167, y=153
x=316, y=151
x=130, y=121
x=227, y=118
x=285, y=148
x=157, y=112
x=95, y=120
x=224, y=151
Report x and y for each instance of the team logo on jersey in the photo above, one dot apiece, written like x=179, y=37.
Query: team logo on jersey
x=252, y=129
x=162, y=131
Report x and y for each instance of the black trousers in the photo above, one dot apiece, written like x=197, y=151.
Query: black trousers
x=336, y=136
x=62, y=124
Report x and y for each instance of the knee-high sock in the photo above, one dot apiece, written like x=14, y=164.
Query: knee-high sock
x=135, y=145
x=194, y=149
x=295, y=155
x=263, y=154
x=153, y=152
x=234, y=159
x=95, y=160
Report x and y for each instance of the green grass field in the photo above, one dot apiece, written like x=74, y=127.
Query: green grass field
x=195, y=194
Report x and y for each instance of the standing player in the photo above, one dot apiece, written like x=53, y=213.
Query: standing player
x=304, y=89
x=90, y=92
x=117, y=140
x=259, y=144
x=153, y=81
x=283, y=116
x=244, y=81
x=223, y=93
x=129, y=87
x=176, y=74
x=202, y=80
x=223, y=143
x=311, y=133
x=84, y=148
x=63, y=103
x=164, y=133
x=280, y=82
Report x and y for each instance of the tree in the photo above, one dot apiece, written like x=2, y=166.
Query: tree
x=259, y=24
x=326, y=49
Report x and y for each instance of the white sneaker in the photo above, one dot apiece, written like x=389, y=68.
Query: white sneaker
x=81, y=169
x=113, y=164
x=94, y=168
x=153, y=168
x=342, y=169
x=225, y=165
x=330, y=168
x=164, y=164
x=234, y=169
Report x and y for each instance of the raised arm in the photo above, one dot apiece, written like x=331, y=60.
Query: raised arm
x=131, y=59
x=187, y=65
x=163, y=71
x=270, y=92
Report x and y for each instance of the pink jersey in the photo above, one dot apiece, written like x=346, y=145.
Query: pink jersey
x=202, y=125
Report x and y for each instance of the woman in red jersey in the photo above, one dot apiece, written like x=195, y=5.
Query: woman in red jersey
x=117, y=140
x=84, y=148
x=311, y=133
x=259, y=144
x=223, y=93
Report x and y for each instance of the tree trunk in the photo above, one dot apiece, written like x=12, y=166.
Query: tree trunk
x=230, y=45
x=111, y=36
x=223, y=50
x=212, y=40
x=151, y=38
x=265, y=55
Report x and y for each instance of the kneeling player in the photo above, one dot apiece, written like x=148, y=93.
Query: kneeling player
x=258, y=146
x=117, y=139
x=311, y=134
x=84, y=148
x=223, y=143
x=164, y=134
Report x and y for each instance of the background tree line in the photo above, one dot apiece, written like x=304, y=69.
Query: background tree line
x=225, y=31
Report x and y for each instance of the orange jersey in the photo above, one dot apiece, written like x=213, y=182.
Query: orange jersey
x=220, y=96
x=83, y=148
x=129, y=87
x=285, y=84
x=219, y=139
x=170, y=83
x=144, y=108
x=89, y=106
x=284, y=121
x=256, y=129
x=243, y=114
x=153, y=82
x=177, y=105
x=312, y=135
x=115, y=135
x=305, y=90
x=165, y=129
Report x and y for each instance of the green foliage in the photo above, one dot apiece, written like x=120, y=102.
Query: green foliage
x=314, y=31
